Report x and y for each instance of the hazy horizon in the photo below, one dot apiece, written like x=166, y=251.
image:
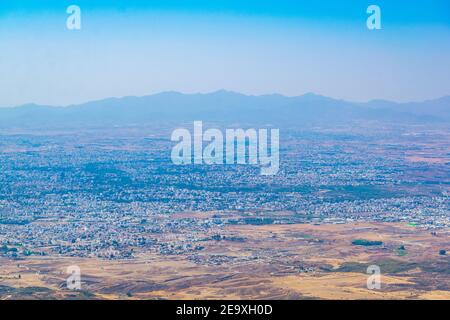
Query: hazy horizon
x=229, y=92
x=136, y=48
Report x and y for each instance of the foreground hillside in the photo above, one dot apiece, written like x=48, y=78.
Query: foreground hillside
x=294, y=261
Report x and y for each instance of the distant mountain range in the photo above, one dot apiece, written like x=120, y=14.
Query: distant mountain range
x=223, y=106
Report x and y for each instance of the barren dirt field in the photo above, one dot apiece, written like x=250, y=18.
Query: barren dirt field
x=293, y=261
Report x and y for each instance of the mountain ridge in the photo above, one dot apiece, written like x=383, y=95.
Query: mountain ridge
x=223, y=105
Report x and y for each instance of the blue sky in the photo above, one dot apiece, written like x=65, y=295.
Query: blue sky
x=290, y=47
x=400, y=11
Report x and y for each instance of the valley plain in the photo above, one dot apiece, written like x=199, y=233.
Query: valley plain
x=295, y=261
x=109, y=201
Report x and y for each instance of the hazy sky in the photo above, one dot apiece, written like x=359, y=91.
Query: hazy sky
x=131, y=47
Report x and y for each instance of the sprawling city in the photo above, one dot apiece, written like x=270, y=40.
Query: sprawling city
x=113, y=197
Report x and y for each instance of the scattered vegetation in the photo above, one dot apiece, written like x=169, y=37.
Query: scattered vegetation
x=81, y=295
x=401, y=251
x=363, y=242
x=258, y=221
x=6, y=249
x=14, y=222
x=387, y=266
x=24, y=292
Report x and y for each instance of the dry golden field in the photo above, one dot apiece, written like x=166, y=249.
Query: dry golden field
x=294, y=261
